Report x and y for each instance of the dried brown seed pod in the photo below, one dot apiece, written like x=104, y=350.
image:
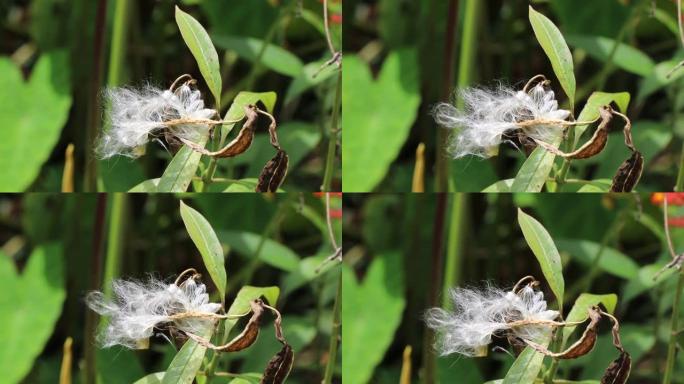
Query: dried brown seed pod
x=628, y=174
x=279, y=367
x=618, y=370
x=273, y=173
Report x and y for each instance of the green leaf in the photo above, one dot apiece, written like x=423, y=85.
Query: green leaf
x=306, y=80
x=658, y=78
x=237, y=109
x=32, y=115
x=596, y=186
x=122, y=367
x=297, y=137
x=182, y=168
x=204, y=237
x=147, y=186
x=241, y=303
x=369, y=327
x=237, y=186
x=553, y=44
x=274, y=57
x=528, y=364
x=651, y=137
x=541, y=243
x=582, y=304
x=535, y=170
x=500, y=186
x=591, y=109
x=626, y=57
x=377, y=118
x=186, y=363
x=203, y=50
x=152, y=378
x=611, y=261
x=273, y=253
x=30, y=306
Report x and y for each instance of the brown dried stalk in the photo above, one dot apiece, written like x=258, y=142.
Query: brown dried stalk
x=629, y=172
x=619, y=369
x=581, y=347
x=236, y=147
x=245, y=339
x=592, y=147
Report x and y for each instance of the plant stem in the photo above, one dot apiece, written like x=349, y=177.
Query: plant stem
x=115, y=240
x=117, y=55
x=680, y=175
x=332, y=141
x=674, y=325
x=429, y=362
x=93, y=114
x=334, y=335
x=94, y=284
x=249, y=84
x=467, y=55
x=441, y=162
x=454, y=256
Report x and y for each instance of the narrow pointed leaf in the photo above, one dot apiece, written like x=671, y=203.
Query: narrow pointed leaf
x=185, y=364
x=535, y=170
x=556, y=49
x=203, y=50
x=544, y=249
x=180, y=171
x=528, y=364
x=204, y=237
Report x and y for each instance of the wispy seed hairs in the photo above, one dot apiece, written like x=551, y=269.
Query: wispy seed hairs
x=492, y=116
x=137, y=115
x=480, y=313
x=137, y=307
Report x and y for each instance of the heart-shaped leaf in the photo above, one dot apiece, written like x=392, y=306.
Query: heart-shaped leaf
x=30, y=306
x=204, y=237
x=197, y=39
x=544, y=249
x=377, y=117
x=369, y=326
x=32, y=115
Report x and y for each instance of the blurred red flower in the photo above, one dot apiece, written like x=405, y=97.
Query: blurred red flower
x=673, y=198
